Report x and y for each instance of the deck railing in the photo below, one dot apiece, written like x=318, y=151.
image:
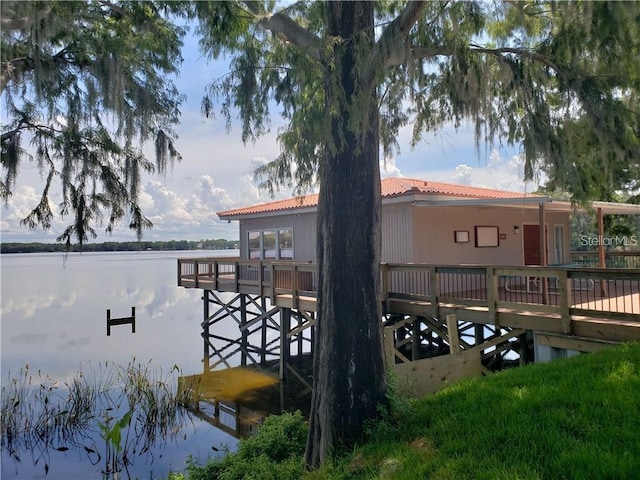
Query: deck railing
x=562, y=291
x=614, y=259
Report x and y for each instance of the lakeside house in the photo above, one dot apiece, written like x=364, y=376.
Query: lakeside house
x=429, y=223
x=470, y=279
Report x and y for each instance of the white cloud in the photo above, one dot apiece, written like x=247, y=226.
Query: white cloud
x=389, y=169
x=216, y=172
x=498, y=173
x=463, y=174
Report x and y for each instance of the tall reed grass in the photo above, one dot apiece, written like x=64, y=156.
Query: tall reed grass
x=110, y=413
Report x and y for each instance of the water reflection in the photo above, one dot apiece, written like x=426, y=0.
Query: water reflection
x=54, y=319
x=236, y=400
x=110, y=417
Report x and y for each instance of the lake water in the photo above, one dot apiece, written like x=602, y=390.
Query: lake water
x=53, y=317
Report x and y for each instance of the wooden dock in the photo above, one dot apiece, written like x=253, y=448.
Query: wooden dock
x=497, y=310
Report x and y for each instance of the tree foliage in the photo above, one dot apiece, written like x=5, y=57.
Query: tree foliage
x=542, y=75
x=536, y=74
x=85, y=85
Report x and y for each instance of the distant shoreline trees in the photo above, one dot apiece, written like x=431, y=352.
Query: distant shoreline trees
x=37, y=247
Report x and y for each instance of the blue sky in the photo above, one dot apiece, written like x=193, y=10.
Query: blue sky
x=216, y=172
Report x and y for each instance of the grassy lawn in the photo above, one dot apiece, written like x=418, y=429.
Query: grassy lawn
x=577, y=418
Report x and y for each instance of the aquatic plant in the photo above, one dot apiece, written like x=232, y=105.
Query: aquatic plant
x=127, y=408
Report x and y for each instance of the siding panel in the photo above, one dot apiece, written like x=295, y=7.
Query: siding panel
x=396, y=234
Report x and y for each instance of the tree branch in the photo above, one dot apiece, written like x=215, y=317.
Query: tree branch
x=390, y=48
x=428, y=52
x=286, y=29
x=9, y=22
x=521, y=52
x=21, y=64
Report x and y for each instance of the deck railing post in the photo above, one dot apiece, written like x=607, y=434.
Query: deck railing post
x=434, y=279
x=384, y=271
x=216, y=274
x=492, y=295
x=564, y=293
x=236, y=274
x=272, y=276
x=196, y=272
x=294, y=287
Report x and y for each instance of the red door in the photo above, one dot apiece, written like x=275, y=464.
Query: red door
x=531, y=244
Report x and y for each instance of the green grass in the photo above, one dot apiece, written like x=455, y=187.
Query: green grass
x=577, y=418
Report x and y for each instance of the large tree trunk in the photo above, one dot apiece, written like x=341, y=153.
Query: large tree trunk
x=349, y=371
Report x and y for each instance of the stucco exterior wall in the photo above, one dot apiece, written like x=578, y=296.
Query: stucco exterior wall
x=433, y=234
x=426, y=234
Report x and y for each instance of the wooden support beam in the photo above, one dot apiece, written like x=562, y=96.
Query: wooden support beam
x=452, y=330
x=121, y=321
x=285, y=326
x=243, y=329
x=205, y=331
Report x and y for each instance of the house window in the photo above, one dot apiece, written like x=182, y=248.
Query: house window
x=271, y=244
x=285, y=243
x=254, y=244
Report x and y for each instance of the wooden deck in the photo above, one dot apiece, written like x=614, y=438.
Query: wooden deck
x=592, y=303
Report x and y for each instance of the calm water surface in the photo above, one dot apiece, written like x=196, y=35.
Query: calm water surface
x=53, y=317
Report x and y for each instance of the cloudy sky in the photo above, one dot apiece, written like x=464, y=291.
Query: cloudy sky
x=216, y=172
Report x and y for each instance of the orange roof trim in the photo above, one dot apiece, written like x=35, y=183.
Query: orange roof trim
x=391, y=187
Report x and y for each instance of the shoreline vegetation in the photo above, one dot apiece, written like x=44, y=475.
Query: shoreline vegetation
x=134, y=246
x=572, y=418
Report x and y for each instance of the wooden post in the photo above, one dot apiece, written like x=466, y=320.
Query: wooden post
x=389, y=346
x=294, y=287
x=565, y=299
x=121, y=321
x=544, y=284
x=237, y=275
x=479, y=335
x=452, y=330
x=285, y=326
x=300, y=336
x=384, y=271
x=260, y=277
x=602, y=256
x=272, y=276
x=205, y=331
x=263, y=332
x=492, y=294
x=244, y=335
x=415, y=339
x=434, y=280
